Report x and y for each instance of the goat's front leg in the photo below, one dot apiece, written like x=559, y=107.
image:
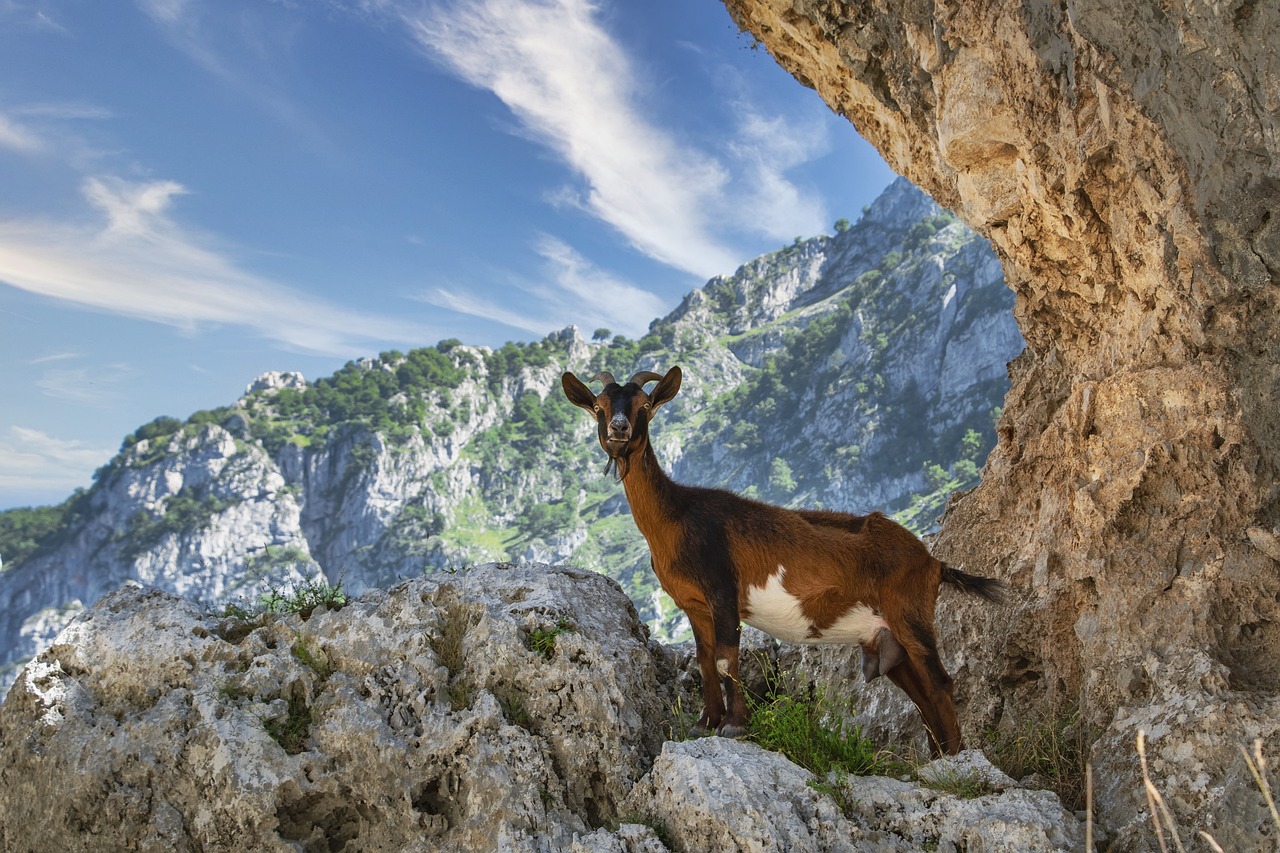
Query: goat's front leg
x=728, y=633
x=704, y=639
x=735, y=722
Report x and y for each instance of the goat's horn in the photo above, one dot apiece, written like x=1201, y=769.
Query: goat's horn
x=645, y=376
x=604, y=376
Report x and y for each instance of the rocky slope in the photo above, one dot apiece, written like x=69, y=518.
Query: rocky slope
x=1124, y=160
x=870, y=360
x=432, y=716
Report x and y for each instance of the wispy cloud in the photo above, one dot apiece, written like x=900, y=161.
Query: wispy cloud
x=766, y=148
x=86, y=386
x=141, y=263
x=572, y=289
x=54, y=356
x=242, y=48
x=47, y=129
x=35, y=462
x=18, y=137
x=28, y=16
x=573, y=88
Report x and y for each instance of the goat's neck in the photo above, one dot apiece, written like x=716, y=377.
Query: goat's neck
x=649, y=492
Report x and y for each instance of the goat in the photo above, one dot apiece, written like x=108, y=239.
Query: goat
x=804, y=576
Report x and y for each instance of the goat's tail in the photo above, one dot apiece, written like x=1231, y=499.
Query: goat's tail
x=989, y=588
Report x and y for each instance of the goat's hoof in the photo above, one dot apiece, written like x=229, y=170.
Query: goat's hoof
x=731, y=731
x=698, y=731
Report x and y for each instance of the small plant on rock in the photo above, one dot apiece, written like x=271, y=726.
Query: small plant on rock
x=292, y=731
x=543, y=640
x=1053, y=747
x=305, y=597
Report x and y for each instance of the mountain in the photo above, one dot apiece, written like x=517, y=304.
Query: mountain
x=856, y=371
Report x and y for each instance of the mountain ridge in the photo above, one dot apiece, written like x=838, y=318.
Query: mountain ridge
x=454, y=455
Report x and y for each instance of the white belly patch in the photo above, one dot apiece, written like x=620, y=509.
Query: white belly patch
x=777, y=612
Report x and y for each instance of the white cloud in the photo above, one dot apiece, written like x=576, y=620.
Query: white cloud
x=54, y=356
x=32, y=461
x=144, y=264
x=766, y=148
x=572, y=86
x=572, y=290
x=576, y=91
x=587, y=289
x=168, y=11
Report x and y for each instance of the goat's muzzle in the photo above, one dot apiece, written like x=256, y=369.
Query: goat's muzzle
x=618, y=433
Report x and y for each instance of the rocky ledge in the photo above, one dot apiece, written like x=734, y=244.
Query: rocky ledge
x=506, y=707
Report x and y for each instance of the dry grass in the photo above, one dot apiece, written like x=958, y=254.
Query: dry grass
x=1054, y=748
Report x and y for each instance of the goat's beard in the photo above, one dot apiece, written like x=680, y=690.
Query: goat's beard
x=617, y=466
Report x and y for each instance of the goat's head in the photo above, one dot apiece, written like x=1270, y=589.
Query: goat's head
x=622, y=412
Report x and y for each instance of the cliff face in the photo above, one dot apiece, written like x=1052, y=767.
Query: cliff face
x=1124, y=160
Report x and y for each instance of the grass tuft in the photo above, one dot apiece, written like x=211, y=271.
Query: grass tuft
x=542, y=641
x=1055, y=748
x=447, y=644
x=302, y=651
x=810, y=730
x=305, y=597
x=659, y=828
x=292, y=732
x=966, y=784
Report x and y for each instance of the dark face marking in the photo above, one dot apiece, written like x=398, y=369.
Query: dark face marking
x=622, y=412
x=622, y=421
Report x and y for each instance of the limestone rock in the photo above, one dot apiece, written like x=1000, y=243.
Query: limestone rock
x=724, y=795
x=275, y=380
x=413, y=719
x=504, y=708
x=1124, y=160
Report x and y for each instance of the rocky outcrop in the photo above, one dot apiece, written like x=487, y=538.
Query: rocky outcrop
x=1124, y=160
x=504, y=708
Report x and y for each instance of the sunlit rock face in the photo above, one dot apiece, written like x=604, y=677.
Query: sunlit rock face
x=1124, y=160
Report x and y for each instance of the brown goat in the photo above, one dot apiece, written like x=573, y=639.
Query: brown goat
x=804, y=576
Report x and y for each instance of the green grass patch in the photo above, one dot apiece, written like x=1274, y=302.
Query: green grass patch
x=318, y=662
x=802, y=724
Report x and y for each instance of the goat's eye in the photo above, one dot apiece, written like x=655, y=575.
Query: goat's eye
x=647, y=406
x=597, y=409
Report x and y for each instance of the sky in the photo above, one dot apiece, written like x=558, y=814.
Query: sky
x=195, y=192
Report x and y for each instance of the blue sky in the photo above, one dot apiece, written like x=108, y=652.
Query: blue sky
x=193, y=192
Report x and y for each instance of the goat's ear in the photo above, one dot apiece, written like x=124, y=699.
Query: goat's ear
x=666, y=388
x=580, y=395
